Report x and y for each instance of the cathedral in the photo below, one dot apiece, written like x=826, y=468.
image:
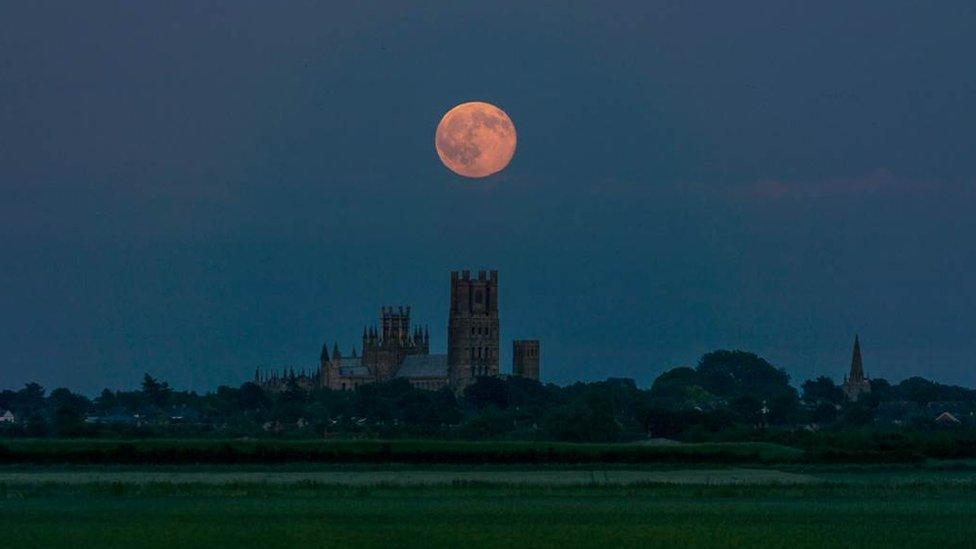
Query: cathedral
x=394, y=348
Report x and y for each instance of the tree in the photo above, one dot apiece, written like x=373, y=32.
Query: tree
x=63, y=397
x=583, y=420
x=429, y=409
x=749, y=409
x=922, y=391
x=490, y=423
x=881, y=389
x=30, y=399
x=156, y=393
x=825, y=412
x=857, y=414
x=675, y=383
x=664, y=423
x=105, y=401
x=527, y=392
x=822, y=389
x=735, y=374
x=378, y=401
x=36, y=426
x=68, y=421
x=252, y=397
x=488, y=391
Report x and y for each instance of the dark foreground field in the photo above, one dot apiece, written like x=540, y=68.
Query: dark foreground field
x=222, y=507
x=243, y=493
x=243, y=452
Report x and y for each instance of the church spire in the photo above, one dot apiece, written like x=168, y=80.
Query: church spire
x=324, y=357
x=857, y=368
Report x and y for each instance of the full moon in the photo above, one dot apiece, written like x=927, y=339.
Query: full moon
x=475, y=139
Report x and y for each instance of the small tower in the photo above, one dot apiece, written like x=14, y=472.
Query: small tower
x=855, y=382
x=525, y=358
x=324, y=366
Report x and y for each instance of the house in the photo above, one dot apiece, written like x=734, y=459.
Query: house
x=115, y=416
x=946, y=418
x=184, y=414
x=7, y=417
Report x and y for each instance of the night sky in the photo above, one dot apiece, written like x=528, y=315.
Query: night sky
x=194, y=190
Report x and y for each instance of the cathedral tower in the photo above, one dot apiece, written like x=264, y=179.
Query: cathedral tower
x=525, y=358
x=472, y=328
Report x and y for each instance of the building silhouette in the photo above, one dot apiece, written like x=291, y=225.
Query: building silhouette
x=472, y=327
x=855, y=382
x=525, y=358
x=394, y=348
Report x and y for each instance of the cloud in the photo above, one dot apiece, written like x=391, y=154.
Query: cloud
x=776, y=189
x=880, y=181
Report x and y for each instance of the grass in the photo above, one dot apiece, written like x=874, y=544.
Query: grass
x=170, y=451
x=207, y=493
x=406, y=477
x=486, y=515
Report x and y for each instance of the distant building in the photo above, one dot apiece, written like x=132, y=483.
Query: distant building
x=116, y=416
x=525, y=358
x=7, y=417
x=395, y=349
x=855, y=382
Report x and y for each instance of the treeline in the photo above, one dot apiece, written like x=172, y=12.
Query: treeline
x=727, y=396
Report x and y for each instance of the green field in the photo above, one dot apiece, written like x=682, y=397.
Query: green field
x=279, y=493
x=271, y=506
x=180, y=451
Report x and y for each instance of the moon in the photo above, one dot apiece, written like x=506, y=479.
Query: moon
x=475, y=139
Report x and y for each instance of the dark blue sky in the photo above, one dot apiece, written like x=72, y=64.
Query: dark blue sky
x=193, y=190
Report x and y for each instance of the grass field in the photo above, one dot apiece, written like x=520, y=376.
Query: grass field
x=178, y=451
x=227, y=506
x=211, y=493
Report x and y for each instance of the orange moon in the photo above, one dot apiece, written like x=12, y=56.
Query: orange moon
x=475, y=139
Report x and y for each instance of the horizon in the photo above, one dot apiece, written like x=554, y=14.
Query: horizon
x=504, y=372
